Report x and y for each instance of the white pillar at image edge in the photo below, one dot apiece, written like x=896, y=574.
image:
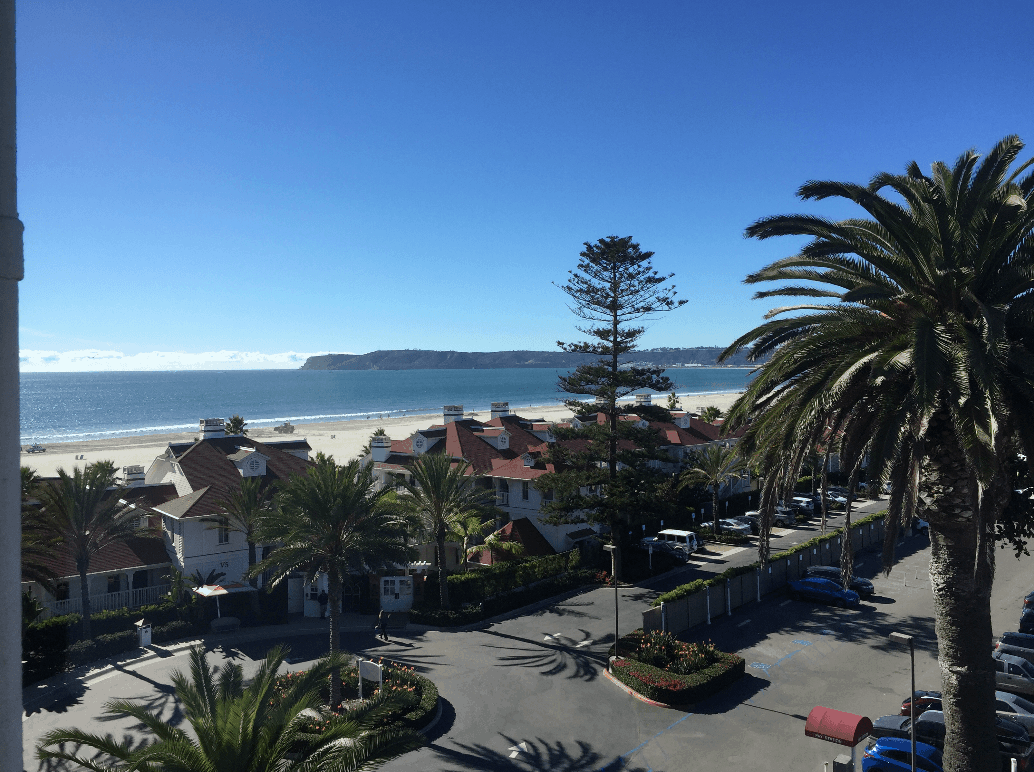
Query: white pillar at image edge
x=11, y=271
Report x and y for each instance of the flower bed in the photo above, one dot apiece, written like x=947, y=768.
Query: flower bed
x=415, y=697
x=662, y=668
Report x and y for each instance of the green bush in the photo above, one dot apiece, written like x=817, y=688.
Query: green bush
x=175, y=630
x=107, y=645
x=724, y=537
x=478, y=584
x=676, y=689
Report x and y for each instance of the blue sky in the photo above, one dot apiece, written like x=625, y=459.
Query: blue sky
x=241, y=184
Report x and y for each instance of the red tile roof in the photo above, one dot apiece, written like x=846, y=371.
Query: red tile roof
x=137, y=552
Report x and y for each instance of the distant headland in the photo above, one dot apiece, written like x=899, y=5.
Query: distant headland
x=418, y=359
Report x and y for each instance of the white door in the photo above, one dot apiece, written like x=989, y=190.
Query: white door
x=295, y=595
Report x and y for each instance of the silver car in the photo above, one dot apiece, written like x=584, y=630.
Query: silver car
x=1013, y=674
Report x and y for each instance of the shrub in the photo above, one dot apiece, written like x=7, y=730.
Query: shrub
x=676, y=689
x=480, y=583
x=107, y=645
x=174, y=630
x=723, y=537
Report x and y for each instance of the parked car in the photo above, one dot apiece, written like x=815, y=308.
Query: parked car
x=732, y=526
x=1024, y=640
x=893, y=753
x=1013, y=740
x=1027, y=621
x=780, y=517
x=920, y=526
x=817, y=588
x=681, y=544
x=1023, y=652
x=1008, y=706
x=1028, y=600
x=1013, y=674
x=805, y=503
x=754, y=523
x=859, y=584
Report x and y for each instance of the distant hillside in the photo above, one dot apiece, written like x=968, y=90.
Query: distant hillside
x=416, y=359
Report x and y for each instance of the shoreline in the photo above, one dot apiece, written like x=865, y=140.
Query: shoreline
x=342, y=439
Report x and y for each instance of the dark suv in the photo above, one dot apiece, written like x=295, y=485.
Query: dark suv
x=862, y=586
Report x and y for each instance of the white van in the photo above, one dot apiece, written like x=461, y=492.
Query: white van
x=675, y=540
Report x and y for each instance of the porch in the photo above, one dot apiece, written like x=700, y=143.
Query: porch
x=134, y=598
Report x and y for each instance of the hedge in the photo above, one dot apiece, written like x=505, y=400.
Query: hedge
x=673, y=689
x=501, y=604
x=476, y=585
x=696, y=586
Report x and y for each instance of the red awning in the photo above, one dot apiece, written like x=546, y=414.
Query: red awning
x=835, y=726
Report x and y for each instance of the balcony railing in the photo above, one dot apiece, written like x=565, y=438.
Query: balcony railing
x=110, y=600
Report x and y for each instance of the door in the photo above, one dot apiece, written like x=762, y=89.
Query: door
x=295, y=595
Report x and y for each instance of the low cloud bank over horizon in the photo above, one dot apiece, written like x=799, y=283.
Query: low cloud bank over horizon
x=92, y=360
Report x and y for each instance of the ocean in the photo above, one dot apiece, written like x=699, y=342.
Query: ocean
x=67, y=407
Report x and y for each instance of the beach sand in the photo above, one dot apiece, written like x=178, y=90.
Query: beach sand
x=341, y=439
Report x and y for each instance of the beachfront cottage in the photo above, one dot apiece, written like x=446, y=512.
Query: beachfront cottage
x=204, y=474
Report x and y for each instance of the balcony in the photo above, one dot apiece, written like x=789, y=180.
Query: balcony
x=143, y=596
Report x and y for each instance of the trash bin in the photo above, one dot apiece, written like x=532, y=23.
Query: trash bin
x=843, y=763
x=143, y=632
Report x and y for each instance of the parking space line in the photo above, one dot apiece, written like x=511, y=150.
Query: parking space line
x=744, y=622
x=785, y=602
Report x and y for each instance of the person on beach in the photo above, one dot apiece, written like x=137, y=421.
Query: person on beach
x=382, y=623
x=322, y=600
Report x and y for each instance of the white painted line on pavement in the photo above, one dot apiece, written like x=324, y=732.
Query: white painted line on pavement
x=744, y=622
x=785, y=602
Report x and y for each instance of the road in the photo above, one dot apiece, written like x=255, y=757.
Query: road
x=528, y=693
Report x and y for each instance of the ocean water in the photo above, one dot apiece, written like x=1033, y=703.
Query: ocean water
x=66, y=407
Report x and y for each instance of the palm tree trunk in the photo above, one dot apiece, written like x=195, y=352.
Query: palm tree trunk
x=714, y=509
x=334, y=581
x=84, y=595
x=824, y=487
x=254, y=580
x=962, y=603
x=443, y=578
x=847, y=550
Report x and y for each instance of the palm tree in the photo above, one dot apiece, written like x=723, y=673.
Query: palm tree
x=86, y=511
x=243, y=512
x=473, y=526
x=710, y=414
x=442, y=494
x=332, y=521
x=917, y=347
x=252, y=729
x=235, y=425
x=39, y=544
x=713, y=467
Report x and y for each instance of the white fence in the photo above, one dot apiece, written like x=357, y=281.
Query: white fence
x=109, y=600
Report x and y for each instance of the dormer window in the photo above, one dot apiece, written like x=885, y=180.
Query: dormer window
x=528, y=460
x=254, y=465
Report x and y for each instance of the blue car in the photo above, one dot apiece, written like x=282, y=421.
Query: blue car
x=816, y=588
x=893, y=753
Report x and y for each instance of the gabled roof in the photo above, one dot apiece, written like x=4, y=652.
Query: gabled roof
x=461, y=442
x=515, y=469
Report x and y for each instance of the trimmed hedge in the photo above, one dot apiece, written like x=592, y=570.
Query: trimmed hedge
x=673, y=689
x=501, y=604
x=696, y=586
x=476, y=585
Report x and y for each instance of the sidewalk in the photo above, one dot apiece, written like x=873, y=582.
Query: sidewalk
x=42, y=692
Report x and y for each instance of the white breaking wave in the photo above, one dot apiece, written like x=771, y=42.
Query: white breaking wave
x=97, y=360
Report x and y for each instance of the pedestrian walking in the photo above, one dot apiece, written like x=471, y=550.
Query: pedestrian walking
x=322, y=600
x=382, y=623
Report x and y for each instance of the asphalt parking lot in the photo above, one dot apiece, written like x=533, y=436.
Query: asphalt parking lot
x=528, y=693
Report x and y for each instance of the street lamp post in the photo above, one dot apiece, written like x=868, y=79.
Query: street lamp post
x=612, y=549
x=902, y=638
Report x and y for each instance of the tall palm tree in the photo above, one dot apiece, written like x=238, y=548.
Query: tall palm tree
x=243, y=511
x=86, y=510
x=713, y=467
x=332, y=521
x=441, y=494
x=242, y=729
x=916, y=346
x=473, y=526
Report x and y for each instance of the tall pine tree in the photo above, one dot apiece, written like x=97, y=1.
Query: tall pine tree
x=613, y=288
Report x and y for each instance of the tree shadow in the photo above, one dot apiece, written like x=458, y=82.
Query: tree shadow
x=538, y=754
x=739, y=693
x=162, y=703
x=445, y=721
x=60, y=765
x=552, y=659
x=68, y=696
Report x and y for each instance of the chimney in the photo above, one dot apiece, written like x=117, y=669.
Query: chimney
x=380, y=448
x=212, y=427
x=133, y=476
x=642, y=400
x=452, y=413
x=499, y=409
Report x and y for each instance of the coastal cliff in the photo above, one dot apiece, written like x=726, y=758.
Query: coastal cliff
x=417, y=359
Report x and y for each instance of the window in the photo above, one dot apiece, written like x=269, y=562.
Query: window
x=224, y=532
x=525, y=487
x=548, y=495
x=114, y=583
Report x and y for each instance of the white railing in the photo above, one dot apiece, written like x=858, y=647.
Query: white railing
x=109, y=600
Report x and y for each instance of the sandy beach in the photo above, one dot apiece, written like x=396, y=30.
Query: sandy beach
x=341, y=439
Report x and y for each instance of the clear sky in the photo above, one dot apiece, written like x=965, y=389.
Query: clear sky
x=244, y=183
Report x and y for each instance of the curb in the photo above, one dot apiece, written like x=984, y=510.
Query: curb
x=634, y=693
x=437, y=716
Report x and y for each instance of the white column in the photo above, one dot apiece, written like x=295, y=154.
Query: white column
x=11, y=271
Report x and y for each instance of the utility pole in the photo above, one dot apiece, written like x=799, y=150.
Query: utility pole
x=11, y=272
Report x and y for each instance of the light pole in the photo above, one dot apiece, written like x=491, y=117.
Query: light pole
x=902, y=638
x=612, y=549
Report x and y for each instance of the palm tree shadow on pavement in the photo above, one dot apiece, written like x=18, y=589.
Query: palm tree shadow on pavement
x=553, y=659
x=537, y=755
